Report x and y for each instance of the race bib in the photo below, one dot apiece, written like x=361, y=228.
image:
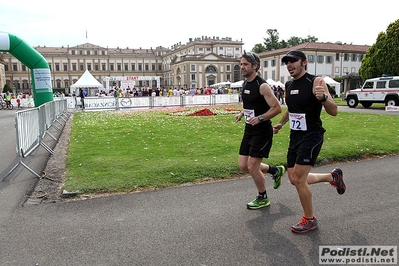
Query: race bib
x=297, y=121
x=248, y=113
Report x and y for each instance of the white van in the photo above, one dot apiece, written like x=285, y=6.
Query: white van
x=376, y=90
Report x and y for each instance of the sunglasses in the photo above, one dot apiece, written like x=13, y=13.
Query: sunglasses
x=251, y=55
x=291, y=60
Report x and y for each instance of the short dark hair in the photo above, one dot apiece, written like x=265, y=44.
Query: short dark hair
x=253, y=58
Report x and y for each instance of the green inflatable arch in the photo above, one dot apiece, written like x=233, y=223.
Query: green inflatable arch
x=40, y=70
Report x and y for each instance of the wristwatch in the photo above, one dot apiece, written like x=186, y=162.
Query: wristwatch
x=325, y=97
x=260, y=118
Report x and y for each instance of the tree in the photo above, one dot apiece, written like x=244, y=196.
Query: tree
x=293, y=41
x=259, y=48
x=7, y=88
x=382, y=56
x=272, y=42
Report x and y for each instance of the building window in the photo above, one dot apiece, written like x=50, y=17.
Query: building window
x=273, y=62
x=111, y=67
x=102, y=52
x=126, y=67
x=360, y=57
x=153, y=67
x=228, y=77
x=133, y=67
x=89, y=66
x=192, y=67
x=57, y=67
x=311, y=58
x=73, y=52
x=88, y=52
x=65, y=67
x=74, y=67
x=140, y=67
x=103, y=67
x=265, y=63
x=96, y=67
x=210, y=69
x=320, y=59
x=228, y=68
x=337, y=57
x=14, y=67
x=346, y=57
x=146, y=67
x=95, y=52
x=81, y=52
x=159, y=66
x=354, y=56
x=81, y=67
x=328, y=59
x=23, y=68
x=192, y=77
x=58, y=84
x=119, y=66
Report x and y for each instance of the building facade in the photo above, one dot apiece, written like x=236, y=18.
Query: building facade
x=324, y=59
x=198, y=63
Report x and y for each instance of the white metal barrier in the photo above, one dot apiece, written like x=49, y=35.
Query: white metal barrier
x=111, y=103
x=32, y=125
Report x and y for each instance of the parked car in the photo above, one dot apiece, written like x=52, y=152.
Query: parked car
x=375, y=90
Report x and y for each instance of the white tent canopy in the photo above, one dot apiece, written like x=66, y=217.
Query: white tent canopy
x=333, y=83
x=87, y=81
x=237, y=84
x=221, y=84
x=271, y=82
x=279, y=83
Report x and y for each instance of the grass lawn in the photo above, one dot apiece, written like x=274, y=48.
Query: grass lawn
x=124, y=151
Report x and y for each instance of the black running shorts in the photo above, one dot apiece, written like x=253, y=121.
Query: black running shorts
x=257, y=141
x=304, y=148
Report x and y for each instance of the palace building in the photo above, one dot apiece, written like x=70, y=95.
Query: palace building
x=198, y=63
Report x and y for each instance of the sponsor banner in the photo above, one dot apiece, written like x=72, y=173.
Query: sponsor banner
x=392, y=108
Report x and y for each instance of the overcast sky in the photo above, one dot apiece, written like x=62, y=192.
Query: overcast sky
x=136, y=24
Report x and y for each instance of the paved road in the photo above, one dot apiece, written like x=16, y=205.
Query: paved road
x=205, y=224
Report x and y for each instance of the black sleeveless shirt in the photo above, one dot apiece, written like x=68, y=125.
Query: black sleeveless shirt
x=251, y=97
x=300, y=99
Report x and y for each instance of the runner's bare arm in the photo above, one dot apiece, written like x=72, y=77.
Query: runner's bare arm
x=319, y=90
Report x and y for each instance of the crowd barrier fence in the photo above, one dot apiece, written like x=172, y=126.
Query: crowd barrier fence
x=32, y=125
x=109, y=102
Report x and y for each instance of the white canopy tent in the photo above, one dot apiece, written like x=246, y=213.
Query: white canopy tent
x=271, y=82
x=279, y=83
x=221, y=84
x=237, y=84
x=86, y=81
x=333, y=83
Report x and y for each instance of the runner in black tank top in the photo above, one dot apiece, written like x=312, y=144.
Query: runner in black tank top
x=260, y=105
x=306, y=94
x=304, y=101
